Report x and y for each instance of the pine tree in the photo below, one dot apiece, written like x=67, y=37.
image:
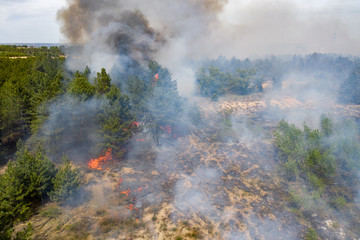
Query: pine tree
x=66, y=181
x=155, y=100
x=138, y=90
x=116, y=120
x=102, y=82
x=25, y=184
x=80, y=87
x=164, y=105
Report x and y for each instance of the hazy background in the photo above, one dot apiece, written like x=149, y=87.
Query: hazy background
x=255, y=27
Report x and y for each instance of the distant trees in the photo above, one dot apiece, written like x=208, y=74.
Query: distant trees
x=212, y=81
x=219, y=76
x=349, y=91
x=16, y=51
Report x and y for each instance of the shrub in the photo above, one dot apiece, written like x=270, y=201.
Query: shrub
x=339, y=202
x=52, y=212
x=326, y=125
x=25, y=234
x=291, y=169
x=311, y=234
x=316, y=182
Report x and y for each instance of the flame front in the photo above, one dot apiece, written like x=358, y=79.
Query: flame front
x=132, y=207
x=102, y=159
x=156, y=78
x=139, y=190
x=126, y=192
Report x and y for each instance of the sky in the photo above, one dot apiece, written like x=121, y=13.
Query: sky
x=30, y=21
x=34, y=21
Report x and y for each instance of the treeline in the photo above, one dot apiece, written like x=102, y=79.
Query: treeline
x=222, y=75
x=213, y=83
x=24, y=50
x=326, y=158
x=350, y=88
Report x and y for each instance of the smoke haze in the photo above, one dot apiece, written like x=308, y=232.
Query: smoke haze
x=118, y=34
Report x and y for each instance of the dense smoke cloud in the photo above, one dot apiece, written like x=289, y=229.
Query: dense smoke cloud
x=128, y=26
x=208, y=27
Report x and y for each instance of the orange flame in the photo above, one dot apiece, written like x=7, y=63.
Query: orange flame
x=126, y=192
x=169, y=129
x=156, y=78
x=135, y=123
x=139, y=190
x=118, y=184
x=120, y=181
x=98, y=162
x=132, y=207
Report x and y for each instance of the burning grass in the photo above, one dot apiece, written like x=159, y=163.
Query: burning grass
x=103, y=159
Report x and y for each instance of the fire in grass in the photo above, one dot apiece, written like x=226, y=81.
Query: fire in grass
x=103, y=159
x=127, y=192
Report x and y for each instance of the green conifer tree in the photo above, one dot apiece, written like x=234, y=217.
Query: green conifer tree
x=66, y=181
